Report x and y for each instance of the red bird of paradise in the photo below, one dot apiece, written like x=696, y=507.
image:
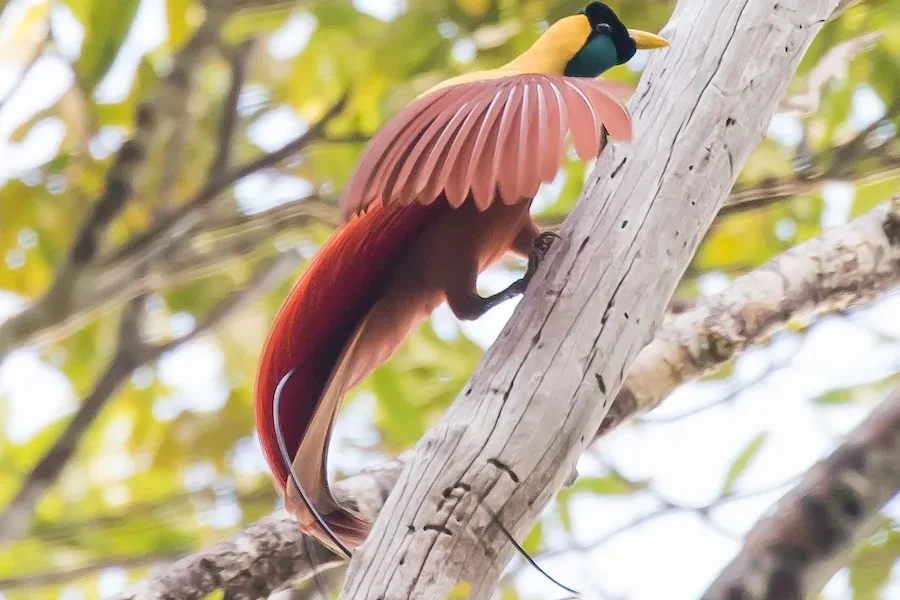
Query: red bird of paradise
x=442, y=191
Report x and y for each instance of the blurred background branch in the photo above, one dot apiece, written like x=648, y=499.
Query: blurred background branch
x=795, y=551
x=131, y=352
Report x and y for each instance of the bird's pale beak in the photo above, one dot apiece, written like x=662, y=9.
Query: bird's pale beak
x=647, y=41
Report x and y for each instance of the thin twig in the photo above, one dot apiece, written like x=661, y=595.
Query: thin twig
x=238, y=59
x=297, y=212
x=666, y=507
x=145, y=246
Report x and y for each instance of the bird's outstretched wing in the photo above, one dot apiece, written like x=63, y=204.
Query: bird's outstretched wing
x=496, y=139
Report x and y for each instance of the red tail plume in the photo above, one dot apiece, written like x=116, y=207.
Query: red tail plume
x=316, y=321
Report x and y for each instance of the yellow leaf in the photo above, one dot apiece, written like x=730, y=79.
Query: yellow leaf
x=460, y=591
x=180, y=26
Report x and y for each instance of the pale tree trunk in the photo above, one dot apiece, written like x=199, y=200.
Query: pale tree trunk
x=513, y=436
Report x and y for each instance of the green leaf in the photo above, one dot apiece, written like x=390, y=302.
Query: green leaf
x=872, y=563
x=872, y=390
x=609, y=485
x=743, y=461
x=179, y=22
x=874, y=191
x=108, y=25
x=839, y=396
x=565, y=515
x=81, y=9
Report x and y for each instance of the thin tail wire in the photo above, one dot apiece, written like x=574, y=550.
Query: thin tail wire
x=525, y=554
x=282, y=447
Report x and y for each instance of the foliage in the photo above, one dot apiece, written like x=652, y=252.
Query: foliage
x=171, y=464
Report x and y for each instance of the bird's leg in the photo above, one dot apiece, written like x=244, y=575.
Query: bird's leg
x=468, y=305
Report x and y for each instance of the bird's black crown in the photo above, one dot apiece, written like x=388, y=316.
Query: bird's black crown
x=605, y=21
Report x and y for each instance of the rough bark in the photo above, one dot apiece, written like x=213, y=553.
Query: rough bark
x=514, y=434
x=793, y=552
x=864, y=258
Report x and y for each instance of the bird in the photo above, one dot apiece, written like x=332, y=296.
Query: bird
x=440, y=192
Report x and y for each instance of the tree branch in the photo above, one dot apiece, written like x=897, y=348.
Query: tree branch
x=847, y=265
x=238, y=57
x=264, y=556
x=842, y=162
x=795, y=551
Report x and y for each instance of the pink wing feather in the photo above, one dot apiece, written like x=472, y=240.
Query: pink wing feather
x=495, y=139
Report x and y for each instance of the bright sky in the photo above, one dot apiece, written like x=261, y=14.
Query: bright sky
x=687, y=460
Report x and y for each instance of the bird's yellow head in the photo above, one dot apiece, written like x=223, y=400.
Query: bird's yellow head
x=606, y=41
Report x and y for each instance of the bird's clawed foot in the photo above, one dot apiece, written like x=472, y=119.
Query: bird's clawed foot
x=540, y=245
x=471, y=306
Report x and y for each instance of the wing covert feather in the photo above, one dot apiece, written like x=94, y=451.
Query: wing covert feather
x=495, y=140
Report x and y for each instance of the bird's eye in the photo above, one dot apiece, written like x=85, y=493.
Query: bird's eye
x=603, y=28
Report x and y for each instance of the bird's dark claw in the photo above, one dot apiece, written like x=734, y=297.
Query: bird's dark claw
x=543, y=241
x=540, y=245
